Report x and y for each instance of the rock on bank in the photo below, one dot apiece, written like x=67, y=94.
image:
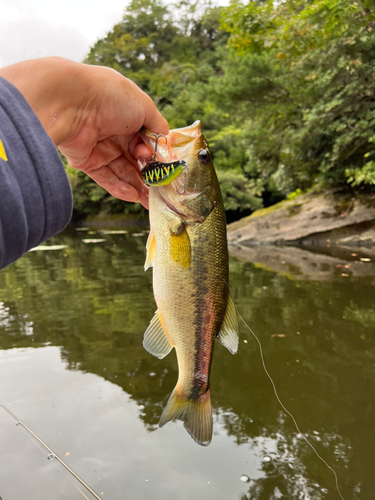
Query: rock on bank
x=308, y=220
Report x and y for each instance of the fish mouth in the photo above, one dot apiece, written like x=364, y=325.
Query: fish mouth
x=193, y=130
x=177, y=145
x=180, y=136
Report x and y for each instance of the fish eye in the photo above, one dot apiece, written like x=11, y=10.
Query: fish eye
x=204, y=156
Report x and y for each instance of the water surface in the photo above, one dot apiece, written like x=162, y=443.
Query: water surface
x=72, y=366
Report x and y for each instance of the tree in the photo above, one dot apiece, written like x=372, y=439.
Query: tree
x=139, y=44
x=303, y=75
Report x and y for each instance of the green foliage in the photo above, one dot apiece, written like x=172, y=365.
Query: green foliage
x=294, y=194
x=141, y=42
x=238, y=191
x=303, y=72
x=284, y=90
x=364, y=175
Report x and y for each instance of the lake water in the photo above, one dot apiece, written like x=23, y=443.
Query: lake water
x=73, y=368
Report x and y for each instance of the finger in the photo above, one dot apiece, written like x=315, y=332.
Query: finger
x=142, y=151
x=134, y=142
x=154, y=120
x=106, y=178
x=124, y=169
x=103, y=153
x=143, y=198
x=128, y=173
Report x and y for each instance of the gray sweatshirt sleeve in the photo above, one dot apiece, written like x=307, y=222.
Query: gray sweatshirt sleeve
x=35, y=196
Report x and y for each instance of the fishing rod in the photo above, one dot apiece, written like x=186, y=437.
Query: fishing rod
x=52, y=454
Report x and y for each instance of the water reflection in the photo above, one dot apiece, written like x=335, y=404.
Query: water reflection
x=94, y=301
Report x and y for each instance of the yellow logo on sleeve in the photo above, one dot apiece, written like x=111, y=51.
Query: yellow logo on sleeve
x=3, y=154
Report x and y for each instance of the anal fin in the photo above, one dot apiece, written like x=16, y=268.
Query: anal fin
x=228, y=335
x=155, y=340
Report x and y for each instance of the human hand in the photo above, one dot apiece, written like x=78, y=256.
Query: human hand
x=92, y=114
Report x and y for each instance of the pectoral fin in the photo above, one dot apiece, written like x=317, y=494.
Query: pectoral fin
x=180, y=246
x=155, y=340
x=151, y=248
x=228, y=335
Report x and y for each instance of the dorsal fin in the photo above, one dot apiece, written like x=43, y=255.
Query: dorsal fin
x=155, y=340
x=228, y=335
x=151, y=248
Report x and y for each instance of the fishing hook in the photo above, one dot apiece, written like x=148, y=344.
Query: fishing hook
x=157, y=137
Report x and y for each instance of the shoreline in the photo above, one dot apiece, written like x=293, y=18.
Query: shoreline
x=310, y=221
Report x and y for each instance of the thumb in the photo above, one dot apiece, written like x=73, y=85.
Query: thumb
x=154, y=120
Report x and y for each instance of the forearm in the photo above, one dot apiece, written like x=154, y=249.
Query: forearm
x=56, y=89
x=35, y=197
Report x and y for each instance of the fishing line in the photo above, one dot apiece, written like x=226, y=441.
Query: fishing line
x=278, y=398
x=53, y=455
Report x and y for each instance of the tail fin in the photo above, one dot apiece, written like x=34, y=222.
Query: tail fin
x=195, y=413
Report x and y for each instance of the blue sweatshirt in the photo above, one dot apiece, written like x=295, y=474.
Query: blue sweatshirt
x=35, y=195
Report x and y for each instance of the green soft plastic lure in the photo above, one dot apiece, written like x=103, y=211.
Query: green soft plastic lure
x=158, y=173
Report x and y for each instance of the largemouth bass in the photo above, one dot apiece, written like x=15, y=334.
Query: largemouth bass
x=187, y=248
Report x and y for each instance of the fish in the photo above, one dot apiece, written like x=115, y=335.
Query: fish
x=187, y=249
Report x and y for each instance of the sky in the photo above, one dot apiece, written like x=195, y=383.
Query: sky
x=67, y=28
